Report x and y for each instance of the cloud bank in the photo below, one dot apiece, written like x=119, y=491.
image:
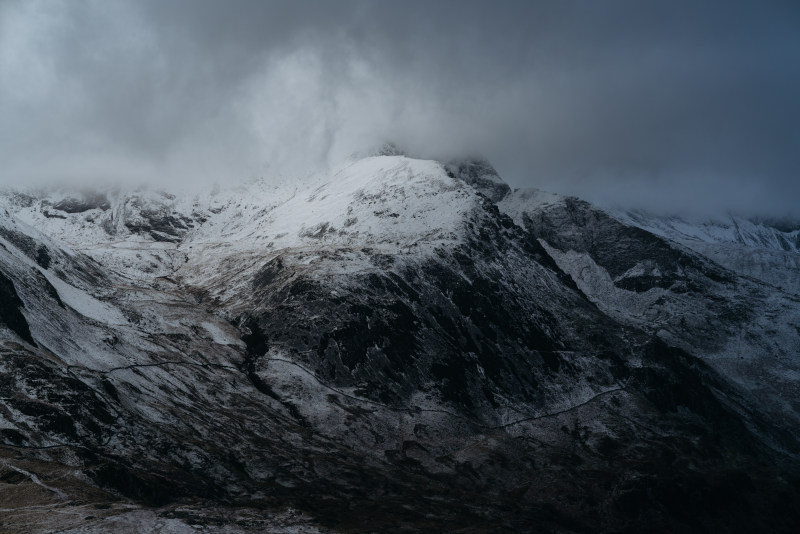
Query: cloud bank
x=672, y=105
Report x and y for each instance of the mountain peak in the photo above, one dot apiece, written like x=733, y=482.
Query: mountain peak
x=475, y=171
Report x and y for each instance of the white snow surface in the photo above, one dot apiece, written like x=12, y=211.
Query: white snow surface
x=527, y=200
x=386, y=199
x=85, y=304
x=390, y=204
x=386, y=202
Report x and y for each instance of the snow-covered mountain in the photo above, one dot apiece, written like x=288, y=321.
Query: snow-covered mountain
x=768, y=250
x=747, y=329
x=394, y=345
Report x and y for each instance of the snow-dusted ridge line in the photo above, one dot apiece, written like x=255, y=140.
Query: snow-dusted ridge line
x=383, y=201
x=756, y=248
x=731, y=229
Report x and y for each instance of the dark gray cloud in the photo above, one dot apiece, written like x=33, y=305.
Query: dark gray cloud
x=665, y=104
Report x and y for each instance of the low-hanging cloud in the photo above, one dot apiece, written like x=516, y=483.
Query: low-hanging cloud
x=660, y=104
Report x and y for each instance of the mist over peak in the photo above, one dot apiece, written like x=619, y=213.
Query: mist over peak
x=672, y=105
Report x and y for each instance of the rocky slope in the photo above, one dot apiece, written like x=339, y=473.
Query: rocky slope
x=397, y=345
x=765, y=249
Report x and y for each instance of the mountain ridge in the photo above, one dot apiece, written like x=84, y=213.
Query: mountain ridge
x=390, y=337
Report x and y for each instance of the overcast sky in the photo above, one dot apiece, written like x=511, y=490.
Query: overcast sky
x=661, y=104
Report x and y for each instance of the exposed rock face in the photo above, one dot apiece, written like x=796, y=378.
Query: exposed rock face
x=10, y=315
x=85, y=202
x=746, y=329
x=390, y=349
x=480, y=174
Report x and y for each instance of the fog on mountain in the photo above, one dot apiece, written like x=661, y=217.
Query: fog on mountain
x=366, y=266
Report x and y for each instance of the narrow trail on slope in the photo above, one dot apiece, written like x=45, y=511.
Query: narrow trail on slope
x=35, y=479
x=416, y=409
x=405, y=409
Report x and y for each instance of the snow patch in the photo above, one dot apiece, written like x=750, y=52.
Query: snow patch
x=85, y=304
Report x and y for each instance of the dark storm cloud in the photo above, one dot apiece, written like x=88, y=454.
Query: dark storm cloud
x=675, y=104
